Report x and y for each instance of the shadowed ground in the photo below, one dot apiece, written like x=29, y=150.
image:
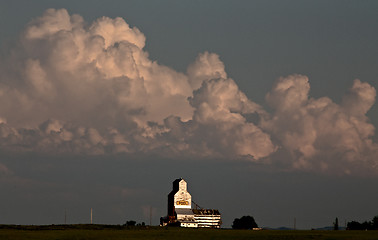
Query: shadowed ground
x=79, y=232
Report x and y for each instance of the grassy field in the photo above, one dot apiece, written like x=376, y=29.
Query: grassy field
x=103, y=232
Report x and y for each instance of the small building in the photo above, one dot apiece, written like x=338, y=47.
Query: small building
x=180, y=210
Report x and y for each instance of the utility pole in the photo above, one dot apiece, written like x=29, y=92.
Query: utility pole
x=150, y=214
x=91, y=217
x=295, y=223
x=65, y=216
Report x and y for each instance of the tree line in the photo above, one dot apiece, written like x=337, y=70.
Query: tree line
x=248, y=222
x=366, y=225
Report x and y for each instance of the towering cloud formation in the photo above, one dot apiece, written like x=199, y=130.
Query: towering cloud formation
x=318, y=133
x=74, y=87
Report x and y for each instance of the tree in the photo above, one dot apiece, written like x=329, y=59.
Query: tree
x=245, y=222
x=336, y=224
x=367, y=225
x=375, y=223
x=354, y=225
x=130, y=223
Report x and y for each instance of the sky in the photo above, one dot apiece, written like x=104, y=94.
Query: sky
x=265, y=108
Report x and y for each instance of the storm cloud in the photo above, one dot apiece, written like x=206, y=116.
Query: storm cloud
x=90, y=88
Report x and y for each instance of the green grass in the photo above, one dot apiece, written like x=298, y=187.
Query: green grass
x=103, y=232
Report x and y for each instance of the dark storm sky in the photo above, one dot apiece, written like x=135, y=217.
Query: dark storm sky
x=70, y=142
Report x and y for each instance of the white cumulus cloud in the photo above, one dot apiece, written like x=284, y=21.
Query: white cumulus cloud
x=318, y=133
x=90, y=88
